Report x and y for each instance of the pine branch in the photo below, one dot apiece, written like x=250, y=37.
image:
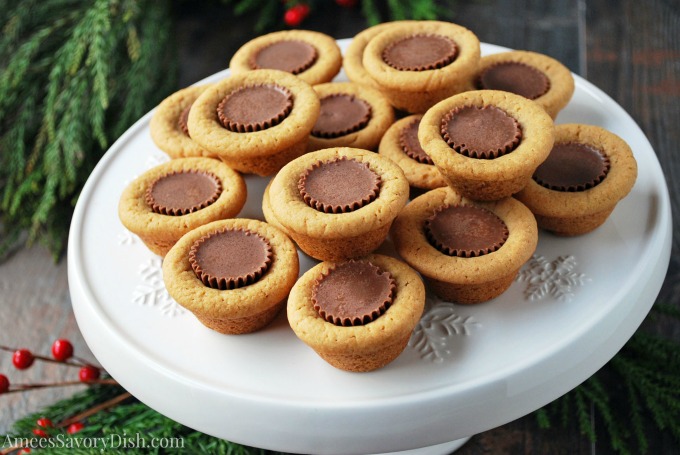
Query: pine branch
x=68, y=87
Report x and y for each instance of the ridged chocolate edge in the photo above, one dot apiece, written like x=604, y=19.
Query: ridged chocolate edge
x=303, y=67
x=365, y=319
x=407, y=150
x=162, y=210
x=228, y=283
x=472, y=153
x=238, y=127
x=360, y=125
x=320, y=206
x=462, y=253
x=432, y=66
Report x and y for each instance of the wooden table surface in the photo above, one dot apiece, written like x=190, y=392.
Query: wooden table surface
x=629, y=49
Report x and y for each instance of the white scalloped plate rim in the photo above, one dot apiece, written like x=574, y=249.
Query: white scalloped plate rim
x=218, y=385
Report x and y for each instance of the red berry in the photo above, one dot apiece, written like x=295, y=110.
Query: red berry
x=296, y=14
x=75, y=427
x=40, y=433
x=88, y=373
x=25, y=450
x=22, y=359
x=62, y=350
x=4, y=384
x=44, y=422
x=346, y=3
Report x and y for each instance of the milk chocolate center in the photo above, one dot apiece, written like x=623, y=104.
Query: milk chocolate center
x=183, y=120
x=487, y=132
x=465, y=231
x=183, y=192
x=408, y=140
x=255, y=108
x=290, y=55
x=420, y=52
x=230, y=258
x=353, y=293
x=341, y=114
x=339, y=186
x=515, y=77
x=572, y=166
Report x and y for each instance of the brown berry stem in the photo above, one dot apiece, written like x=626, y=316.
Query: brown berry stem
x=25, y=387
x=100, y=407
x=77, y=363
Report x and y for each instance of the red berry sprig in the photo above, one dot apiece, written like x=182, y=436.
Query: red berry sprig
x=75, y=427
x=62, y=353
x=296, y=14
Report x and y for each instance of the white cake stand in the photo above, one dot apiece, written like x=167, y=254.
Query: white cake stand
x=467, y=369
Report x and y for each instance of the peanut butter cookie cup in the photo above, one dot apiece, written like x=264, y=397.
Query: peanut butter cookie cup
x=587, y=173
x=418, y=64
x=166, y=202
x=312, y=56
x=352, y=61
x=338, y=203
x=168, y=125
x=351, y=115
x=256, y=121
x=468, y=252
x=532, y=75
x=400, y=144
x=357, y=315
x=487, y=143
x=233, y=275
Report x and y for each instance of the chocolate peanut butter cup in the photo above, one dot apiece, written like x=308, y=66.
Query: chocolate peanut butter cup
x=408, y=140
x=292, y=56
x=230, y=258
x=515, y=77
x=341, y=114
x=353, y=293
x=572, y=166
x=182, y=121
x=182, y=192
x=255, y=108
x=485, y=133
x=465, y=231
x=339, y=186
x=420, y=52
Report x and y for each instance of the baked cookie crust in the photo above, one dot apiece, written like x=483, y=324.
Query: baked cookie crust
x=465, y=279
x=259, y=152
x=240, y=310
x=416, y=91
x=160, y=232
x=164, y=125
x=324, y=69
x=489, y=179
x=362, y=347
x=578, y=212
x=368, y=137
x=560, y=78
x=338, y=236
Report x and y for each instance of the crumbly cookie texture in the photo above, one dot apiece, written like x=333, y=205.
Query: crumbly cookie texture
x=489, y=179
x=416, y=91
x=368, y=137
x=419, y=175
x=364, y=347
x=261, y=152
x=160, y=232
x=465, y=280
x=234, y=311
x=571, y=213
x=337, y=236
x=165, y=128
x=561, y=81
x=326, y=66
x=352, y=62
